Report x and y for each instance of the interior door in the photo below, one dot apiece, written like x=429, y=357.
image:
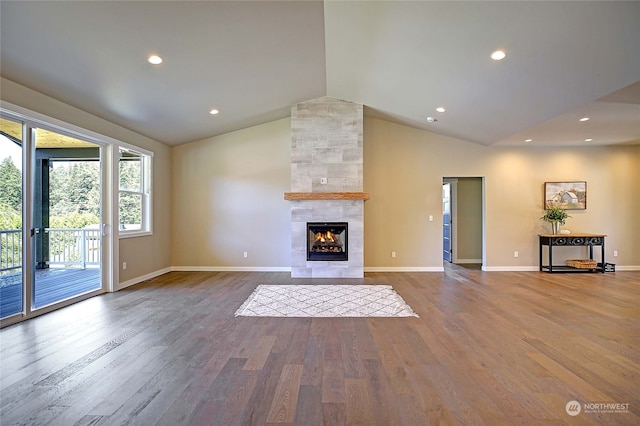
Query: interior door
x=446, y=221
x=66, y=229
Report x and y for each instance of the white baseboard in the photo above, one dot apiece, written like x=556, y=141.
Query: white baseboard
x=468, y=261
x=145, y=277
x=231, y=268
x=628, y=268
x=536, y=268
x=404, y=269
x=510, y=268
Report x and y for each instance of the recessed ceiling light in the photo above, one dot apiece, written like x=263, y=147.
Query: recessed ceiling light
x=431, y=120
x=588, y=140
x=440, y=109
x=584, y=119
x=498, y=55
x=154, y=59
x=214, y=111
x=528, y=140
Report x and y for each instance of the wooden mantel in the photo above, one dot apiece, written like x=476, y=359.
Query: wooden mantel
x=299, y=196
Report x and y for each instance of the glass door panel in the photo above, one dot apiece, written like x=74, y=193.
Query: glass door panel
x=66, y=219
x=11, y=265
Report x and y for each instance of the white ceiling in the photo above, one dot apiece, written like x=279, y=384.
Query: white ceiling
x=253, y=60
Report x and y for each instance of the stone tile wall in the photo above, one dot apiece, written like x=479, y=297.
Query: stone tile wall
x=326, y=142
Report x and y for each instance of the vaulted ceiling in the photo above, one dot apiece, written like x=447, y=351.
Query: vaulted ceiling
x=402, y=60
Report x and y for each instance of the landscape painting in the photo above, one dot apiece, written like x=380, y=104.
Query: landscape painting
x=566, y=195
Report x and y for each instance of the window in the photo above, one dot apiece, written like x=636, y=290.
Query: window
x=134, y=195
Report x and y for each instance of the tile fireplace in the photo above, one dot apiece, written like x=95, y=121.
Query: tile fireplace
x=326, y=189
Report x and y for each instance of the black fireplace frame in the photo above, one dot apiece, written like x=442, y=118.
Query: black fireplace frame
x=328, y=226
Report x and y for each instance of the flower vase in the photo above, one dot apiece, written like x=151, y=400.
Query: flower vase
x=554, y=227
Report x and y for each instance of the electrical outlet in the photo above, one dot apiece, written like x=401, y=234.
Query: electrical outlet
x=516, y=254
x=430, y=218
x=615, y=253
x=124, y=265
x=246, y=254
x=323, y=181
x=393, y=254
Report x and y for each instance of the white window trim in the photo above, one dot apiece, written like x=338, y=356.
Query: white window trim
x=147, y=195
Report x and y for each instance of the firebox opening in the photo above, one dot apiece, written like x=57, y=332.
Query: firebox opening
x=327, y=241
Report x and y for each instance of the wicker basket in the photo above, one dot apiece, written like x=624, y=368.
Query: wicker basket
x=582, y=263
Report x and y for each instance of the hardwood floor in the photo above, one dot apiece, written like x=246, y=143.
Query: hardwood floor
x=495, y=348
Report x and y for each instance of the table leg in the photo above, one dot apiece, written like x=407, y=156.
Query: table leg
x=540, y=253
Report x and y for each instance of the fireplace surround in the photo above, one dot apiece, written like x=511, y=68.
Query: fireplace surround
x=327, y=186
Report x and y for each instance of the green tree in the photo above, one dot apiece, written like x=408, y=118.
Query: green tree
x=10, y=214
x=74, y=220
x=130, y=199
x=75, y=188
x=10, y=185
x=10, y=219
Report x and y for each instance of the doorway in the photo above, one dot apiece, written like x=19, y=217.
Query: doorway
x=55, y=251
x=463, y=220
x=447, y=249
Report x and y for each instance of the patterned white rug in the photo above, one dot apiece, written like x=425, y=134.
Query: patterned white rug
x=325, y=301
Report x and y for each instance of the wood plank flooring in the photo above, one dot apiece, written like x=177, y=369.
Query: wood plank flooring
x=497, y=348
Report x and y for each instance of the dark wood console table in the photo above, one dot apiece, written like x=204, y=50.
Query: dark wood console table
x=571, y=240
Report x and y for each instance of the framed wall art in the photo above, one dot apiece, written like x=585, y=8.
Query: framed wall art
x=566, y=195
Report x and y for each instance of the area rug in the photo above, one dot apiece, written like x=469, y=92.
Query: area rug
x=325, y=301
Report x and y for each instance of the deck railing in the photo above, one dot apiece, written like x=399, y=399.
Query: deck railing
x=67, y=247
x=10, y=250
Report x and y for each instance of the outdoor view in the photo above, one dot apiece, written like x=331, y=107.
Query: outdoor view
x=66, y=218
x=74, y=196
x=10, y=214
x=10, y=219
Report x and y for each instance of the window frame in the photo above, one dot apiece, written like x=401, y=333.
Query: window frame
x=146, y=192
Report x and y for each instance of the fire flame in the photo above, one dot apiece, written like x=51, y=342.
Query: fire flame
x=325, y=236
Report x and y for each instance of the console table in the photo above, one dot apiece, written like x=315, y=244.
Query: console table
x=570, y=240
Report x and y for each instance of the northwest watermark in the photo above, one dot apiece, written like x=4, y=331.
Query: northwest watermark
x=573, y=408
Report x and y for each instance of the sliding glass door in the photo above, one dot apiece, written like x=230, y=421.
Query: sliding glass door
x=51, y=185
x=66, y=233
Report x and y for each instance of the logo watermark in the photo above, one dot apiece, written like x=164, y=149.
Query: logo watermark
x=573, y=408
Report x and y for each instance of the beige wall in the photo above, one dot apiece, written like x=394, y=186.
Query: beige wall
x=144, y=255
x=228, y=189
x=228, y=194
x=404, y=167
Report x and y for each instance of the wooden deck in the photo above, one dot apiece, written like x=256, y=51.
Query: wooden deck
x=52, y=285
x=489, y=348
